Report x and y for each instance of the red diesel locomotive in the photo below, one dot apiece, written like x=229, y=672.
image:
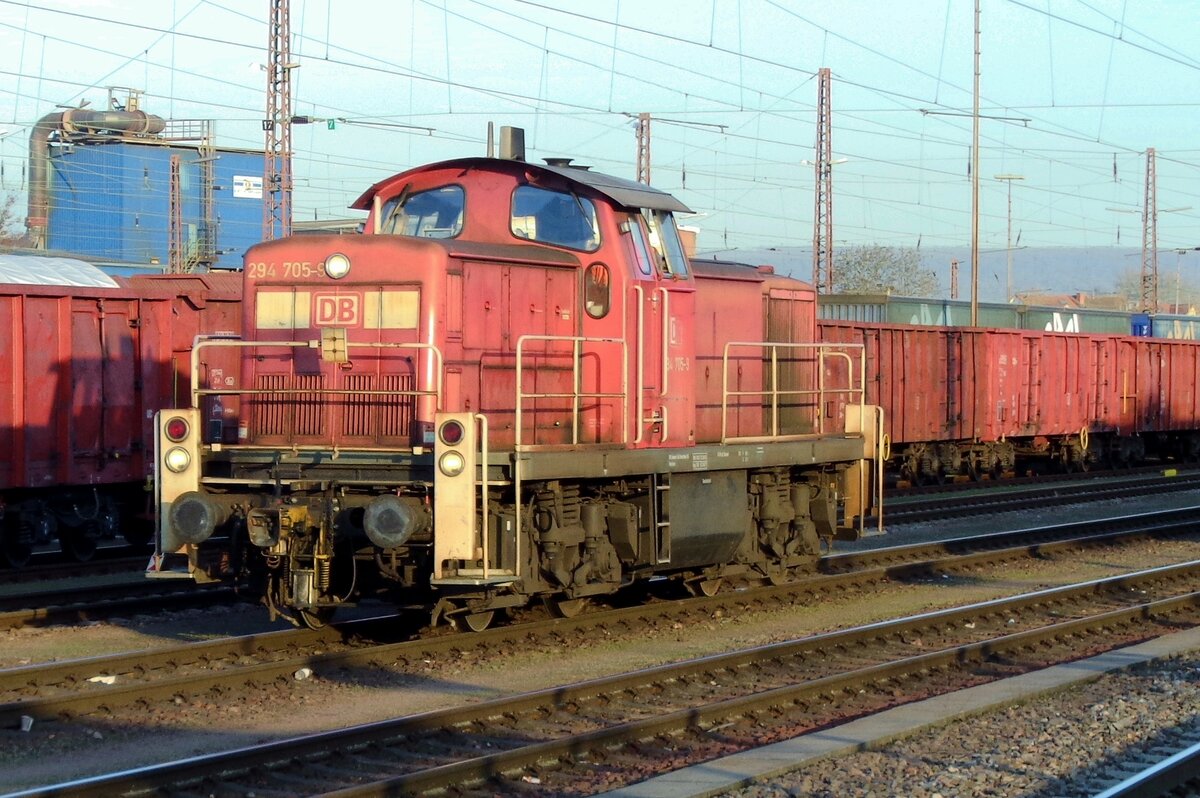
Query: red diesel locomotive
x=513, y=385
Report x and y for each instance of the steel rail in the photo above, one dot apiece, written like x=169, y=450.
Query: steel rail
x=78, y=604
x=1162, y=522
x=138, y=676
x=1180, y=770
x=108, y=559
x=963, y=484
x=998, y=499
x=333, y=752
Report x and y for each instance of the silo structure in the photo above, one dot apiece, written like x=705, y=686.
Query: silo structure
x=126, y=186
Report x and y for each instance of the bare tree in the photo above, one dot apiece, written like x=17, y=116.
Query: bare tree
x=10, y=223
x=1176, y=293
x=876, y=269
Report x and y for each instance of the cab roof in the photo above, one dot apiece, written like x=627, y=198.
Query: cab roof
x=625, y=193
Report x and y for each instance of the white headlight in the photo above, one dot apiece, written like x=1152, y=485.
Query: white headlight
x=337, y=266
x=177, y=459
x=452, y=463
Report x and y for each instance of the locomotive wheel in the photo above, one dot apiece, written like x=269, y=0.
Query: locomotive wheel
x=316, y=618
x=705, y=587
x=474, y=621
x=778, y=575
x=566, y=608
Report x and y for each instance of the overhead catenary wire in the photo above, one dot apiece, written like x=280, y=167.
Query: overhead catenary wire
x=770, y=148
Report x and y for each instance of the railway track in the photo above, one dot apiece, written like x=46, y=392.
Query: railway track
x=938, y=505
x=1178, y=774
x=596, y=735
x=81, y=604
x=108, y=561
x=964, y=483
x=107, y=683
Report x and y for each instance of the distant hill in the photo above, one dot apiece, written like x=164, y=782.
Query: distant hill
x=1049, y=270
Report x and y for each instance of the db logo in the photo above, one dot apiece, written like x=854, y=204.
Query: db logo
x=335, y=309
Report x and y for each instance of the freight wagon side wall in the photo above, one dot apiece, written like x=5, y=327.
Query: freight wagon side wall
x=70, y=415
x=1181, y=328
x=1064, y=370
x=175, y=310
x=1084, y=382
x=1167, y=385
x=83, y=373
x=977, y=374
x=907, y=372
x=1122, y=374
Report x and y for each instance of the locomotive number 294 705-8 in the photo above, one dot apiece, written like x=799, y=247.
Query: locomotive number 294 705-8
x=287, y=270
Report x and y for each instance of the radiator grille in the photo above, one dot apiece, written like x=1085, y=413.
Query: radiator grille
x=361, y=415
x=356, y=410
x=291, y=415
x=396, y=414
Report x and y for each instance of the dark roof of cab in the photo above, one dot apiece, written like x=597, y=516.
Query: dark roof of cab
x=626, y=193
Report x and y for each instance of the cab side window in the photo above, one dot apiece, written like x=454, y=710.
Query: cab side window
x=632, y=228
x=664, y=238
x=555, y=217
x=596, y=294
x=436, y=213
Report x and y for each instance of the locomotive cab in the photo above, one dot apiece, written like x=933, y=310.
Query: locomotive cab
x=493, y=394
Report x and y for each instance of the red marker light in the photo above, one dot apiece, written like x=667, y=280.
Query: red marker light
x=177, y=429
x=451, y=433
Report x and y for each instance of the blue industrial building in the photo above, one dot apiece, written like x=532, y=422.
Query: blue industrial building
x=112, y=200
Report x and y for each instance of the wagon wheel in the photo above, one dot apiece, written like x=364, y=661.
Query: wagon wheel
x=565, y=608
x=138, y=533
x=937, y=477
x=79, y=543
x=1080, y=451
x=474, y=621
x=15, y=548
x=317, y=617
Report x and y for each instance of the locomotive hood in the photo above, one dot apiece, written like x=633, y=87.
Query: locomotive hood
x=624, y=192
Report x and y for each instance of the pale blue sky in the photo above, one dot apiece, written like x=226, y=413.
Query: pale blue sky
x=1073, y=91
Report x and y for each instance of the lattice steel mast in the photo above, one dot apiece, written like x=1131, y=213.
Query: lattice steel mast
x=822, y=247
x=277, y=153
x=1149, y=303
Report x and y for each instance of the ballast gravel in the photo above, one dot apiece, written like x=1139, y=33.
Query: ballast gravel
x=1068, y=744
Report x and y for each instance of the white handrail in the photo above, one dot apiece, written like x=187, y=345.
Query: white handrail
x=576, y=341
x=854, y=393
x=666, y=339
x=640, y=407
x=202, y=342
